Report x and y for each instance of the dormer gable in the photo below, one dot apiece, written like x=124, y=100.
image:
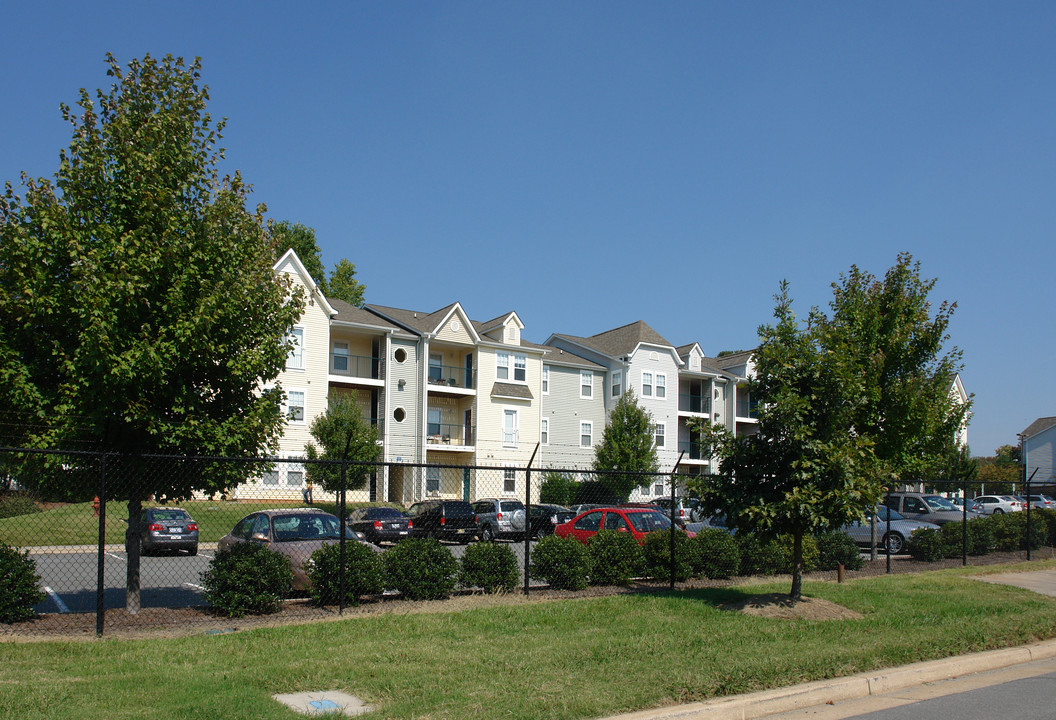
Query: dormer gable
x=505, y=329
x=290, y=264
x=456, y=327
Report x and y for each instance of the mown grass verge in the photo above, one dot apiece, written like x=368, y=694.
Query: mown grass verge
x=561, y=659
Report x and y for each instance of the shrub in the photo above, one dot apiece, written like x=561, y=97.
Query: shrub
x=557, y=488
x=19, y=585
x=1047, y=519
x=951, y=535
x=15, y=504
x=715, y=554
x=980, y=537
x=1010, y=531
x=564, y=563
x=364, y=573
x=489, y=566
x=657, y=553
x=615, y=558
x=757, y=557
x=926, y=545
x=838, y=548
x=247, y=578
x=421, y=569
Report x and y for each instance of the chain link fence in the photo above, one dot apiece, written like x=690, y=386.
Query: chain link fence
x=121, y=542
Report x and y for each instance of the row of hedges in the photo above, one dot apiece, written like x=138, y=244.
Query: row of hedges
x=250, y=578
x=994, y=533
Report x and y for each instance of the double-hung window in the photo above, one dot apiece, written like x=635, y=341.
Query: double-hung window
x=296, y=359
x=436, y=367
x=295, y=406
x=661, y=385
x=546, y=379
x=586, y=384
x=520, y=364
x=341, y=357
x=509, y=480
x=617, y=383
x=647, y=384
x=502, y=366
x=586, y=434
x=432, y=480
x=435, y=419
x=544, y=431
x=658, y=434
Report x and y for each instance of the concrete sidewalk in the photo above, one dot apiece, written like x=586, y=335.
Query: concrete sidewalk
x=824, y=692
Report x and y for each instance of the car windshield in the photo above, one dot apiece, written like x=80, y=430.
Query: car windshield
x=648, y=522
x=292, y=528
x=936, y=502
x=384, y=512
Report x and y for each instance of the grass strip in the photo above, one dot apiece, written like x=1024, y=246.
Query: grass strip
x=560, y=659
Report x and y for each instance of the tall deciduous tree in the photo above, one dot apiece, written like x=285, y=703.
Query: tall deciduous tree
x=343, y=435
x=342, y=283
x=802, y=472
x=627, y=448
x=139, y=312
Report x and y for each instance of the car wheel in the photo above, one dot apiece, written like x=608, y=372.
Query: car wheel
x=894, y=543
x=487, y=534
x=998, y=511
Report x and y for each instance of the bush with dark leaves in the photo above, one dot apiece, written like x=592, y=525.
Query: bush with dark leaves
x=490, y=566
x=247, y=578
x=364, y=573
x=19, y=585
x=421, y=569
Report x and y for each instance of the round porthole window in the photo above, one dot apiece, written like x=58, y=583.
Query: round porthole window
x=454, y=326
x=400, y=355
x=399, y=414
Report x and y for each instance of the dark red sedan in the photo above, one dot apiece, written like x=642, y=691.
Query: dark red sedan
x=639, y=521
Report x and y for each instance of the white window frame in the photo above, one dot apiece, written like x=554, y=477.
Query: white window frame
x=659, y=435
x=647, y=384
x=617, y=383
x=510, y=431
x=520, y=365
x=544, y=431
x=433, y=356
x=589, y=434
x=295, y=361
x=546, y=379
x=502, y=366
x=295, y=468
x=288, y=406
x=660, y=390
x=431, y=473
x=342, y=350
x=509, y=474
x=586, y=382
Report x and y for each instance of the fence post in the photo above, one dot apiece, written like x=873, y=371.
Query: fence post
x=1027, y=485
x=342, y=517
x=100, y=587
x=528, y=518
x=887, y=534
x=674, y=470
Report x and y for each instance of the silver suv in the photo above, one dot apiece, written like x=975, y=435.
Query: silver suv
x=499, y=518
x=926, y=507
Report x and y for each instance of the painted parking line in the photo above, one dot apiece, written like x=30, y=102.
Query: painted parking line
x=116, y=557
x=58, y=601
x=196, y=587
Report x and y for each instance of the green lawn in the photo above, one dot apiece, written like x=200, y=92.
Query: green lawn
x=76, y=525
x=562, y=659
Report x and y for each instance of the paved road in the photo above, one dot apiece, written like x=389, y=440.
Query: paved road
x=69, y=578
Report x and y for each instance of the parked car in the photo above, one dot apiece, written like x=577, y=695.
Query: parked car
x=892, y=537
x=997, y=504
x=685, y=509
x=639, y=521
x=542, y=519
x=499, y=519
x=583, y=507
x=717, y=521
x=294, y=532
x=959, y=502
x=927, y=507
x=1042, y=502
x=444, y=520
x=380, y=524
x=165, y=528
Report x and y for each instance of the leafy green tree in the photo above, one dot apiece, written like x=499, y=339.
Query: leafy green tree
x=342, y=283
x=343, y=435
x=891, y=344
x=802, y=473
x=138, y=308
x=627, y=453
x=999, y=473
x=344, y=286
x=558, y=488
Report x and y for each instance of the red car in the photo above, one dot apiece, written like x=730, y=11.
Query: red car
x=639, y=521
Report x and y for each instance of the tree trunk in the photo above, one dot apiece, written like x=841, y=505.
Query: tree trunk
x=132, y=596
x=797, y=566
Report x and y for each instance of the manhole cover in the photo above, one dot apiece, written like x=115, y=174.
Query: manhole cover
x=324, y=703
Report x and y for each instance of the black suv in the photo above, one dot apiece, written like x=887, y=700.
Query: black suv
x=444, y=520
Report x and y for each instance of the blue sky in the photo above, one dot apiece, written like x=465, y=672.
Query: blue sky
x=591, y=164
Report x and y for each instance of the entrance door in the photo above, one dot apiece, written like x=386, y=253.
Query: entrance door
x=465, y=484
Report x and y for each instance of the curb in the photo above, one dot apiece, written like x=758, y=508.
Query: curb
x=770, y=702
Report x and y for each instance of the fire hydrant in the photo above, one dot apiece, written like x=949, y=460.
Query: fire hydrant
x=95, y=506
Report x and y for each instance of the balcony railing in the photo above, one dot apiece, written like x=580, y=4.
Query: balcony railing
x=693, y=450
x=356, y=366
x=451, y=376
x=694, y=403
x=448, y=434
x=747, y=409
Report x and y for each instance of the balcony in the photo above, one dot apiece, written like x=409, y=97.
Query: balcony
x=356, y=366
x=451, y=376
x=449, y=434
x=694, y=404
x=693, y=450
x=748, y=409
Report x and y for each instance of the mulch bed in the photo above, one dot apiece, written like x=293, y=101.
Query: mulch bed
x=171, y=622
